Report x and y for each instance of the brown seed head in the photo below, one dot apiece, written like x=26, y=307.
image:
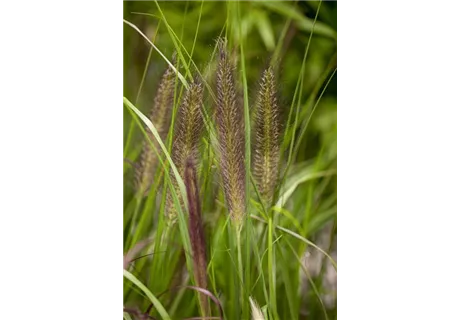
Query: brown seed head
x=230, y=131
x=267, y=136
x=188, y=128
x=160, y=116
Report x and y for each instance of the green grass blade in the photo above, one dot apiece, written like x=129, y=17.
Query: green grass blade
x=157, y=305
x=320, y=219
x=127, y=316
x=180, y=76
x=302, y=21
x=271, y=269
x=146, y=67
x=299, y=237
x=175, y=40
x=290, y=291
x=312, y=283
x=195, y=36
x=265, y=29
x=151, y=127
x=259, y=264
x=289, y=216
x=245, y=301
x=292, y=183
x=304, y=128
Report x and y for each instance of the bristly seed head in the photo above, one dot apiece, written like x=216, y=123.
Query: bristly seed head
x=230, y=131
x=160, y=116
x=256, y=313
x=188, y=128
x=267, y=136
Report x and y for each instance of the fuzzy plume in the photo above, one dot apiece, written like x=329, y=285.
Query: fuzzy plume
x=196, y=234
x=267, y=136
x=230, y=130
x=189, y=126
x=160, y=116
x=256, y=313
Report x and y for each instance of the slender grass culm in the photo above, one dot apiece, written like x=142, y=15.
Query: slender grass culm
x=230, y=131
x=196, y=233
x=267, y=137
x=160, y=116
x=189, y=126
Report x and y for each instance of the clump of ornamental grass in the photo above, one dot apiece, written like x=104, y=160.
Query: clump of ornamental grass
x=266, y=138
x=160, y=116
x=230, y=133
x=188, y=128
x=196, y=234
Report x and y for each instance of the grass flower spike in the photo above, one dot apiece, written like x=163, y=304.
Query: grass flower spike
x=160, y=117
x=230, y=130
x=189, y=126
x=267, y=136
